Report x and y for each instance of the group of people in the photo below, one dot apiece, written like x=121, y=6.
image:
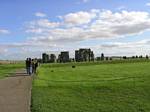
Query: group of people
x=31, y=65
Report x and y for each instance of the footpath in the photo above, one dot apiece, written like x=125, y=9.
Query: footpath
x=15, y=92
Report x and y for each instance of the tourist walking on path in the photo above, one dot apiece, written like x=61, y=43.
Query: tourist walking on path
x=30, y=66
x=34, y=65
x=27, y=66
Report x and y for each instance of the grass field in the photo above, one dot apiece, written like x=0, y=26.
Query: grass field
x=8, y=69
x=119, y=87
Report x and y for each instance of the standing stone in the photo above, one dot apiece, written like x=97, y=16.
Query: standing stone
x=102, y=57
x=52, y=58
x=147, y=57
x=64, y=57
x=82, y=55
x=45, y=58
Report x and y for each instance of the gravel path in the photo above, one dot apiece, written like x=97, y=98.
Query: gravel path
x=15, y=93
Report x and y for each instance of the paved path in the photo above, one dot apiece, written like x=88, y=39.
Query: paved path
x=15, y=93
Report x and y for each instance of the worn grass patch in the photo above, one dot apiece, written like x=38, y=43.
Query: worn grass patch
x=120, y=87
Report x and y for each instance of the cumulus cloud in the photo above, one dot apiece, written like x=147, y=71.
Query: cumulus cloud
x=137, y=44
x=148, y=4
x=82, y=1
x=40, y=14
x=124, y=23
x=83, y=25
x=123, y=48
x=108, y=48
x=42, y=23
x=3, y=50
x=85, y=1
x=79, y=26
x=27, y=44
x=4, y=31
x=40, y=26
x=79, y=18
x=121, y=8
x=20, y=51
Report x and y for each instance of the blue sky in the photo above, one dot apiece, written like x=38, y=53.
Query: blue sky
x=30, y=27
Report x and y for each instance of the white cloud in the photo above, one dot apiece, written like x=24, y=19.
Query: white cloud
x=122, y=48
x=3, y=50
x=121, y=8
x=27, y=44
x=3, y=31
x=137, y=44
x=40, y=14
x=38, y=26
x=79, y=26
x=85, y=1
x=147, y=4
x=79, y=18
x=20, y=51
x=82, y=1
x=123, y=23
x=72, y=28
x=45, y=23
x=108, y=48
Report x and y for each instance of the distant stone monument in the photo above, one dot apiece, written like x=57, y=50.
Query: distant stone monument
x=63, y=57
x=147, y=57
x=45, y=58
x=124, y=57
x=102, y=57
x=107, y=58
x=82, y=55
x=141, y=56
x=52, y=58
x=98, y=59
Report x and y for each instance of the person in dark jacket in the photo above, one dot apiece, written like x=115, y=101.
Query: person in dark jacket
x=27, y=66
x=30, y=66
x=35, y=65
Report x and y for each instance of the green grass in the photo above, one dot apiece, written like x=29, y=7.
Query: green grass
x=8, y=69
x=113, y=87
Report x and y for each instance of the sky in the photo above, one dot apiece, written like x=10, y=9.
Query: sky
x=29, y=28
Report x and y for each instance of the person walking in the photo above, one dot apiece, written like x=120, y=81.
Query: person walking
x=27, y=66
x=33, y=66
x=30, y=66
x=36, y=65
